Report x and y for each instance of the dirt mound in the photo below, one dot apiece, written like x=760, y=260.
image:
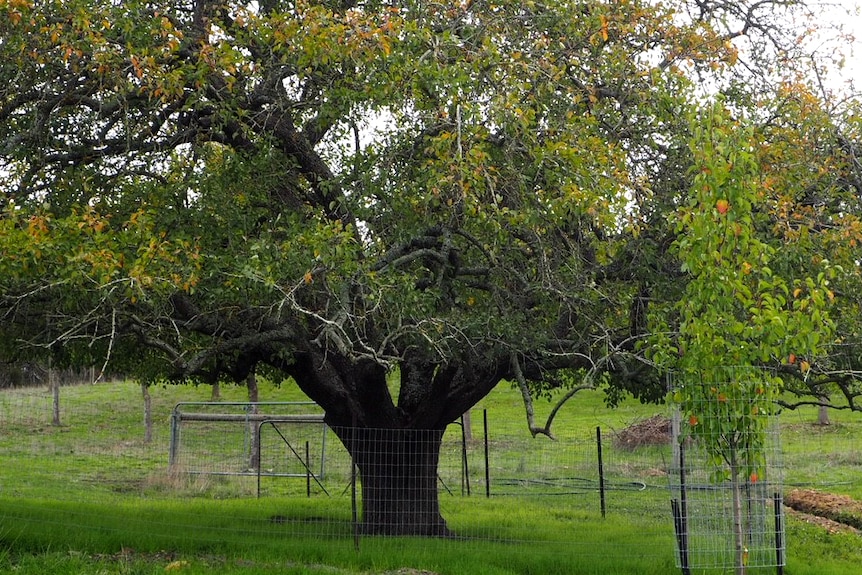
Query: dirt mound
x=838, y=508
x=655, y=430
x=827, y=524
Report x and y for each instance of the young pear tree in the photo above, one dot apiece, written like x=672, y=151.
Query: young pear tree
x=737, y=315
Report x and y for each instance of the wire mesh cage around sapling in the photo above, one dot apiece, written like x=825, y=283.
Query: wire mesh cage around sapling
x=726, y=477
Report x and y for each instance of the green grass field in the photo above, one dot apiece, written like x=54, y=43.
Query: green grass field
x=90, y=496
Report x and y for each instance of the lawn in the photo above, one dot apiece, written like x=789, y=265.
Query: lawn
x=90, y=496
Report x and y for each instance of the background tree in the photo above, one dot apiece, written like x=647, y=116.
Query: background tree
x=398, y=206
x=814, y=176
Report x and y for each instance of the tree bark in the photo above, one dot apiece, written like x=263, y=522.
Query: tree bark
x=823, y=411
x=398, y=472
x=254, y=427
x=148, y=413
x=54, y=384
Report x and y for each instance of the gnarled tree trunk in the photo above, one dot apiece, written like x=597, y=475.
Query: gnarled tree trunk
x=398, y=472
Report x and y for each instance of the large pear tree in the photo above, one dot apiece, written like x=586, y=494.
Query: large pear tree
x=397, y=205
x=816, y=207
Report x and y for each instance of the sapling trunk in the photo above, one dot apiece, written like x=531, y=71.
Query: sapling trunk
x=738, y=527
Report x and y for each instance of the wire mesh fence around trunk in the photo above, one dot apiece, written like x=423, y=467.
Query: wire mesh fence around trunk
x=398, y=474
x=727, y=491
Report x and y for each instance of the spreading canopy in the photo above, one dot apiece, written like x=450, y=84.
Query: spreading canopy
x=466, y=192
x=330, y=190
x=397, y=205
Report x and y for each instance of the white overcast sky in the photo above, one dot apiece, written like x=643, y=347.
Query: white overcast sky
x=836, y=11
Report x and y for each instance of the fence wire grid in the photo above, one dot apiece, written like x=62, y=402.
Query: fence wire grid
x=303, y=462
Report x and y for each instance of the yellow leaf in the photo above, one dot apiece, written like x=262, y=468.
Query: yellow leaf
x=604, y=28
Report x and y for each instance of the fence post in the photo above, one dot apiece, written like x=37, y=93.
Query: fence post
x=779, y=533
x=679, y=531
x=354, y=510
x=601, y=470
x=683, y=514
x=307, y=470
x=54, y=382
x=259, y=466
x=324, y=429
x=175, y=436
x=487, y=468
x=465, y=468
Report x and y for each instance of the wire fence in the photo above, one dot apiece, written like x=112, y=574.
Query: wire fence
x=283, y=452
x=287, y=450
x=727, y=486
